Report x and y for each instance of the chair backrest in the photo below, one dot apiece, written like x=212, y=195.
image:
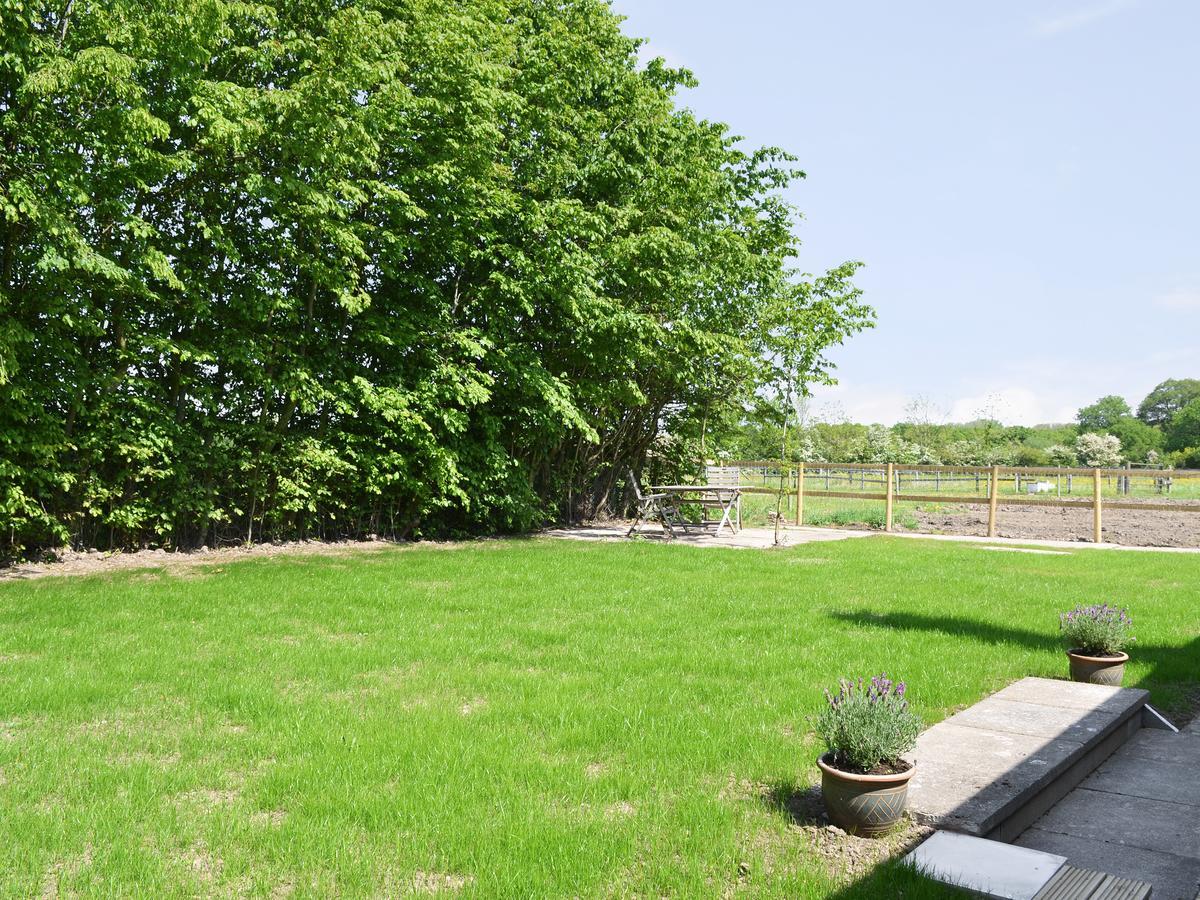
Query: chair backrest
x=637, y=487
x=722, y=476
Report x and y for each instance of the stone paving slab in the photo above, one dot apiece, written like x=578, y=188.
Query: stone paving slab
x=1174, y=877
x=1044, y=720
x=1163, y=746
x=1194, y=727
x=969, y=779
x=980, y=767
x=1068, y=694
x=1129, y=821
x=1134, y=777
x=985, y=867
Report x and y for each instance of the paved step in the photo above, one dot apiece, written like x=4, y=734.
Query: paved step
x=1137, y=816
x=992, y=769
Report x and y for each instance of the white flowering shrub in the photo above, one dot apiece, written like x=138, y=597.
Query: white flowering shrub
x=1099, y=451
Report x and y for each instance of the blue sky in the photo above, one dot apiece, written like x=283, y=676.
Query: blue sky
x=1022, y=180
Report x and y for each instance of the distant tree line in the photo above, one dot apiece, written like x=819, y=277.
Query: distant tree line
x=410, y=267
x=1164, y=431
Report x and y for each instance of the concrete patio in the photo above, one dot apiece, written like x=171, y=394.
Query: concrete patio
x=745, y=539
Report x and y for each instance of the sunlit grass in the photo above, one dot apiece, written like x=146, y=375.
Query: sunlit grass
x=516, y=718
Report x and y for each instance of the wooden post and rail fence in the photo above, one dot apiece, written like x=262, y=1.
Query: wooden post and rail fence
x=991, y=475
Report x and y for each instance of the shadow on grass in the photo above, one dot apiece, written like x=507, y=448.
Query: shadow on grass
x=1172, y=679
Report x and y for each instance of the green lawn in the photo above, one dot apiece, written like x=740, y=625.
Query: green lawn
x=509, y=718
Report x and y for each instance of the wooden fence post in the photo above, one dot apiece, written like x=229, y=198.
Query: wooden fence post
x=800, y=495
x=1097, y=507
x=993, y=499
x=887, y=513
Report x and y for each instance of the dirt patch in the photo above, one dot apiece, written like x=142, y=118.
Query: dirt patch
x=472, y=706
x=204, y=866
x=438, y=882
x=844, y=855
x=64, y=869
x=268, y=818
x=194, y=563
x=208, y=798
x=1130, y=527
x=619, y=810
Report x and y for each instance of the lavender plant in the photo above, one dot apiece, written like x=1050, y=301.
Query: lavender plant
x=1100, y=630
x=867, y=724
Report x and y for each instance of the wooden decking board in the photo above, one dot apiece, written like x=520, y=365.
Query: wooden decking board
x=1070, y=883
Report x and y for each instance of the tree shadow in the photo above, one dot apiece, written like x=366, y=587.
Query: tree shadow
x=956, y=626
x=1173, y=679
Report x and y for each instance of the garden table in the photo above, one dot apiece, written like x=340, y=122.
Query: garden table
x=709, y=496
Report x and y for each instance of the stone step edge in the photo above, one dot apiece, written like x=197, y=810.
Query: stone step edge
x=1008, y=821
x=1030, y=805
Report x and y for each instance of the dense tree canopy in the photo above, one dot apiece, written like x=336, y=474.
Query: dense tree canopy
x=1185, y=428
x=1161, y=404
x=1104, y=413
x=404, y=266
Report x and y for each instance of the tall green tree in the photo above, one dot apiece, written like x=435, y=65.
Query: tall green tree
x=403, y=266
x=1161, y=404
x=1103, y=414
x=1184, y=433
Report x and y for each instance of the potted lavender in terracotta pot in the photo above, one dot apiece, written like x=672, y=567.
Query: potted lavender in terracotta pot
x=1096, y=638
x=867, y=728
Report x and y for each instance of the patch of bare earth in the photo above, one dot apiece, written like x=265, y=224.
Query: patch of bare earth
x=208, y=798
x=183, y=564
x=438, y=882
x=269, y=818
x=845, y=857
x=64, y=870
x=1130, y=527
x=472, y=706
x=204, y=866
x=199, y=563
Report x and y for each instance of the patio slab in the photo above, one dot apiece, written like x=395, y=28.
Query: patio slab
x=1163, y=746
x=746, y=539
x=992, y=769
x=1128, y=821
x=986, y=867
x=1174, y=877
x=1136, y=777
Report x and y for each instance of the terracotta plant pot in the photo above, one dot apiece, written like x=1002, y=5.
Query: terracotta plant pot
x=1098, y=669
x=869, y=805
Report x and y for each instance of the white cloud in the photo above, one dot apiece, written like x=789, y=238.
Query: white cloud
x=1012, y=404
x=1179, y=300
x=1079, y=18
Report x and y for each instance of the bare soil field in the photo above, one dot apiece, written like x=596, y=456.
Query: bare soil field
x=1131, y=527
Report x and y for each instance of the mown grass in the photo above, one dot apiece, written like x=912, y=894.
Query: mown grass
x=511, y=718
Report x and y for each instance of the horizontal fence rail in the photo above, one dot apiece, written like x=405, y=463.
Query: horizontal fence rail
x=1155, y=490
